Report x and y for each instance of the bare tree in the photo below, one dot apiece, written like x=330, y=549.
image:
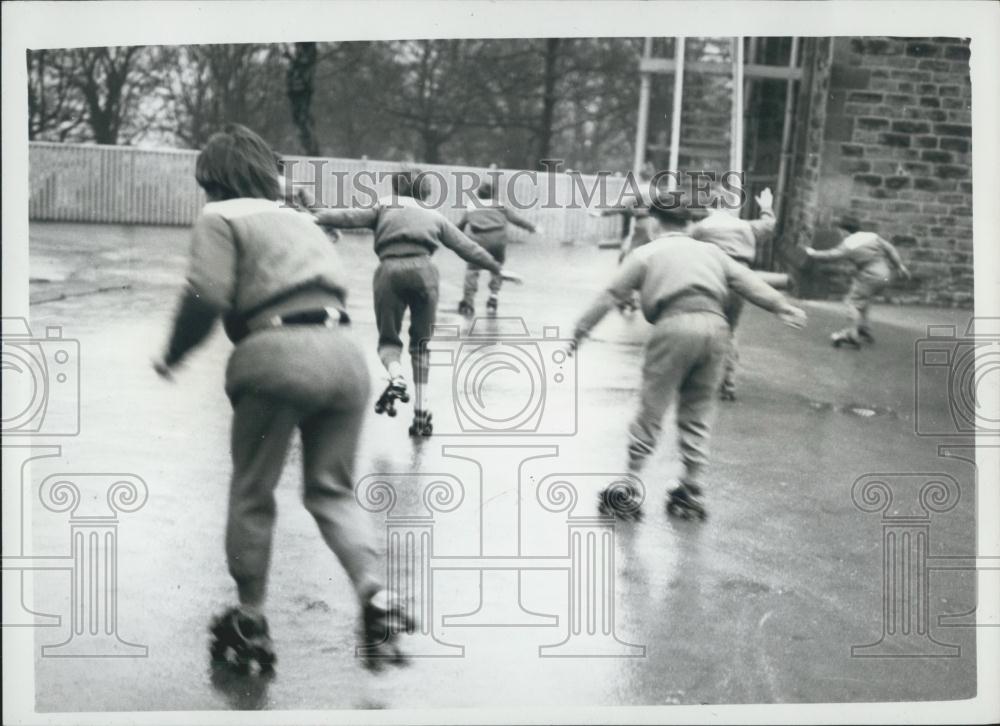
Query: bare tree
x=54, y=107
x=211, y=85
x=299, y=80
x=113, y=82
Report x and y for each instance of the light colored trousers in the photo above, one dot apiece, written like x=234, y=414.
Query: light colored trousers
x=685, y=361
x=314, y=380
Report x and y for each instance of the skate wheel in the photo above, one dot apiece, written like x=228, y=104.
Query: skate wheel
x=379, y=408
x=391, y=412
x=405, y=398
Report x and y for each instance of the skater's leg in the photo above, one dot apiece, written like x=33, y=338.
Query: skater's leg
x=666, y=363
x=470, y=287
x=261, y=432
x=329, y=446
x=423, y=300
x=389, y=310
x=734, y=309
x=696, y=396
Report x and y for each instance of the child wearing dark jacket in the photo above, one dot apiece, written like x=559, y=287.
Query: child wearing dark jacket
x=407, y=233
x=486, y=221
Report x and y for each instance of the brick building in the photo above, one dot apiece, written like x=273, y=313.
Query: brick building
x=884, y=134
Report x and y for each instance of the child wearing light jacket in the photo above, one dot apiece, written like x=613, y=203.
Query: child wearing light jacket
x=875, y=260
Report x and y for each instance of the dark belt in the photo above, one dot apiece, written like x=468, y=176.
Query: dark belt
x=688, y=301
x=402, y=255
x=329, y=317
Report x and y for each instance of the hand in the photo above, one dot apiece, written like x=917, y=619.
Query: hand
x=765, y=200
x=810, y=252
x=539, y=230
x=513, y=277
x=163, y=370
x=793, y=317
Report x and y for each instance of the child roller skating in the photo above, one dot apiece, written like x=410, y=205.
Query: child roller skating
x=683, y=289
x=277, y=281
x=875, y=260
x=486, y=221
x=738, y=238
x=406, y=235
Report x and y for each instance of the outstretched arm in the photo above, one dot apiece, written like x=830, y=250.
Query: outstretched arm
x=347, y=218
x=211, y=284
x=516, y=219
x=893, y=254
x=764, y=226
x=457, y=242
x=750, y=286
x=629, y=277
x=834, y=253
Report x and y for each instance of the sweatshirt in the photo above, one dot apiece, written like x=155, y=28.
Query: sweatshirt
x=870, y=254
x=489, y=215
x=674, y=267
x=245, y=255
x=737, y=237
x=403, y=227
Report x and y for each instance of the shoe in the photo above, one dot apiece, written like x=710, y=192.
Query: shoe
x=422, y=425
x=466, y=310
x=727, y=392
x=620, y=500
x=491, y=306
x=866, y=335
x=383, y=620
x=242, y=641
x=839, y=339
x=395, y=391
x=684, y=501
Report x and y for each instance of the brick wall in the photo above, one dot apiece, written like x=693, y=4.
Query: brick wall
x=896, y=154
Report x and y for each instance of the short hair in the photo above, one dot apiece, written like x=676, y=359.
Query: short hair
x=485, y=190
x=237, y=163
x=409, y=183
x=849, y=224
x=670, y=209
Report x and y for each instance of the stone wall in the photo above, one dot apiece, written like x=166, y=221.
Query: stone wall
x=895, y=153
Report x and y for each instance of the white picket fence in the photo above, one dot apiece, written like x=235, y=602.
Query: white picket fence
x=127, y=185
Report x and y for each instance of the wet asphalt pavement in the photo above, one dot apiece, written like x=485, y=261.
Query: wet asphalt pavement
x=761, y=603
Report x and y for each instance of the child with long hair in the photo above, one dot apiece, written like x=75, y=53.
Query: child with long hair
x=277, y=282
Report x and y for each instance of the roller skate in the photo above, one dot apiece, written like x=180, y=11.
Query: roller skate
x=466, y=310
x=491, y=306
x=242, y=641
x=421, y=425
x=395, y=391
x=866, y=335
x=845, y=338
x=684, y=501
x=383, y=620
x=727, y=391
x=622, y=500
